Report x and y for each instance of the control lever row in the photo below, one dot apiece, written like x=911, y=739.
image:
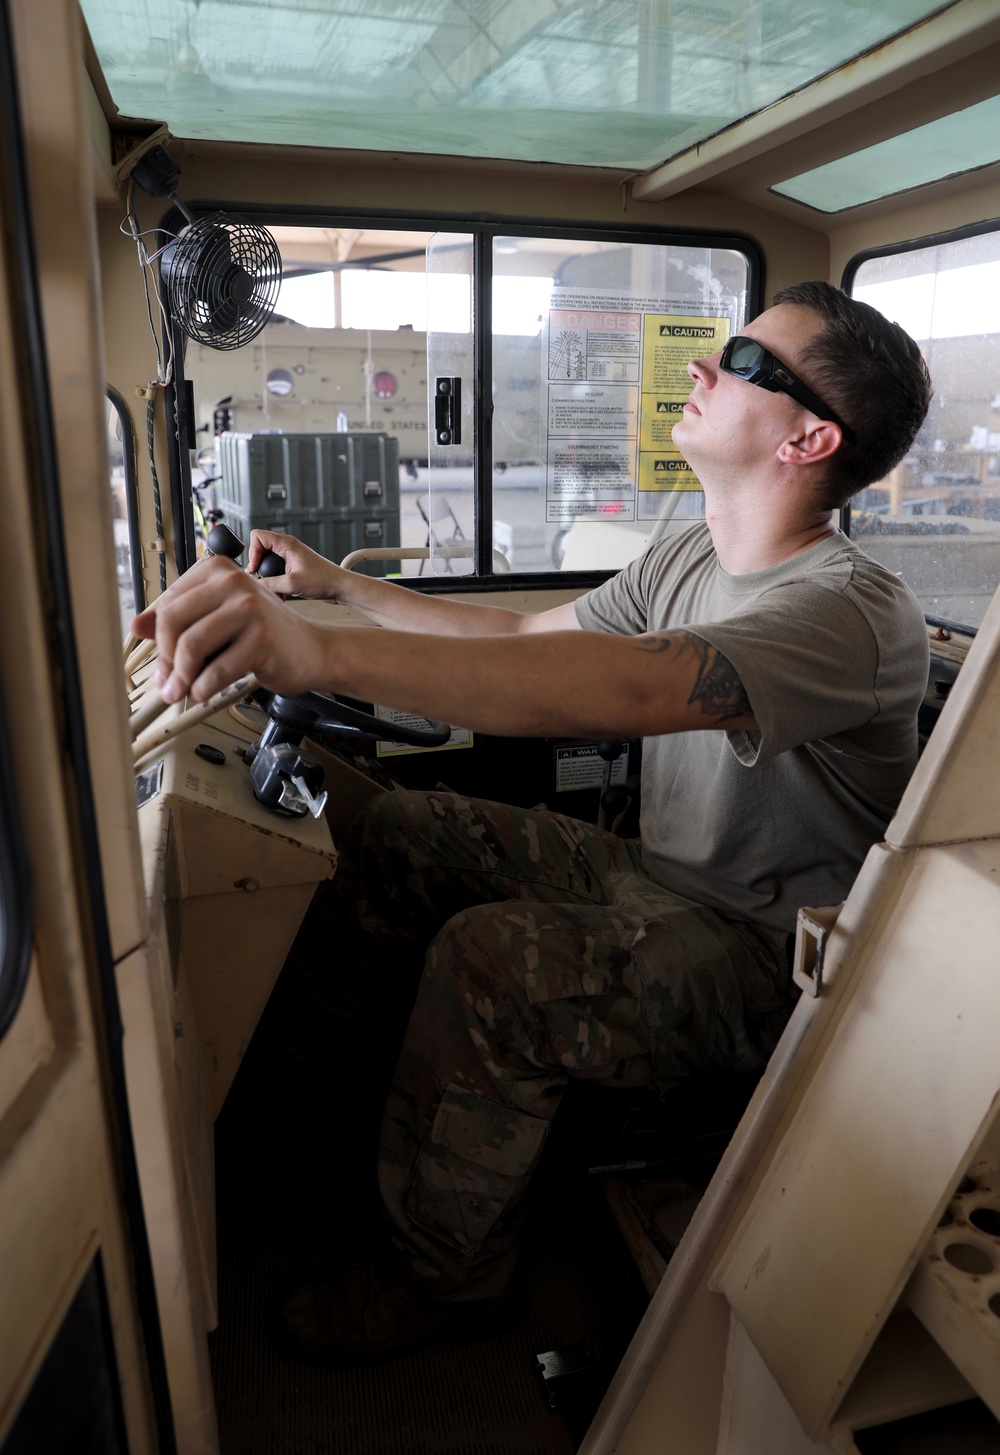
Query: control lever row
x=225, y=542
x=284, y=777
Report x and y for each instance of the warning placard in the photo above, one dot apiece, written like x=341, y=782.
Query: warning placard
x=669, y=343
x=659, y=415
x=594, y=343
x=582, y=767
x=616, y=384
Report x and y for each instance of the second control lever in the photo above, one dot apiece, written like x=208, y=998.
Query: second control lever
x=225, y=542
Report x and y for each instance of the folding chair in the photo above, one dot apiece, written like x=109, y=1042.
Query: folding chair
x=436, y=512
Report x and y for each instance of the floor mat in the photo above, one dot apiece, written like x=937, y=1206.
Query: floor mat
x=457, y=1399
x=296, y=1201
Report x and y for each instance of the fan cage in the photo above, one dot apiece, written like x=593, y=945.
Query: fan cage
x=222, y=277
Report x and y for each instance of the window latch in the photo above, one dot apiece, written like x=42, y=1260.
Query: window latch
x=448, y=410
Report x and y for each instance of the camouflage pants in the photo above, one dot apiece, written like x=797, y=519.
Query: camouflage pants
x=552, y=954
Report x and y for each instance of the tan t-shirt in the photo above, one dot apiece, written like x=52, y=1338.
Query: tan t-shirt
x=831, y=649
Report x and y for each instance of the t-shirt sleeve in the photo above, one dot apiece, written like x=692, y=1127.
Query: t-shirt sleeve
x=808, y=660
x=617, y=606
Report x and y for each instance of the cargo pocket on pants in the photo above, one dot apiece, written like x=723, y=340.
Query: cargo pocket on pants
x=476, y=1158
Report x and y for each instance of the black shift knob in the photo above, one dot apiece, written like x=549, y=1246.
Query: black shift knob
x=224, y=542
x=271, y=564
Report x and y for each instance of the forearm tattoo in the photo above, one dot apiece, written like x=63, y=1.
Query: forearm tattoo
x=717, y=689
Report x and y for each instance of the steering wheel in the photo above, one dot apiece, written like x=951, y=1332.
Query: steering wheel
x=312, y=714
x=320, y=714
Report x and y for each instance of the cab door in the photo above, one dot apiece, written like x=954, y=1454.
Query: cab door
x=80, y=1367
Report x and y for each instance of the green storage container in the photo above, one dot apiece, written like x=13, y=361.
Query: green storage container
x=332, y=533
x=336, y=492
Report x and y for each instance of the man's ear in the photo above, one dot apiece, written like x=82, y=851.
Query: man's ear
x=812, y=444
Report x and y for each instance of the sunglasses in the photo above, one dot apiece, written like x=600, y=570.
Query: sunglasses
x=749, y=360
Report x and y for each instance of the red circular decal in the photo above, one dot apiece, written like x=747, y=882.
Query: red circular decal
x=385, y=384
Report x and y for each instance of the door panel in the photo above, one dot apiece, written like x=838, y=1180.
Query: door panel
x=62, y=1174
x=451, y=388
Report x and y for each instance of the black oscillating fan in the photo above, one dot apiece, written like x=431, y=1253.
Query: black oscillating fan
x=222, y=279
x=222, y=275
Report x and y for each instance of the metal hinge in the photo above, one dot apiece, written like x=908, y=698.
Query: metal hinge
x=448, y=410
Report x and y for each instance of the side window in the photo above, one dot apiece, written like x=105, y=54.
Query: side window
x=318, y=426
x=327, y=424
x=122, y=479
x=936, y=519
x=591, y=338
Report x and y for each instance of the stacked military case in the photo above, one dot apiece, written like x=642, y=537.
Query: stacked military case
x=336, y=492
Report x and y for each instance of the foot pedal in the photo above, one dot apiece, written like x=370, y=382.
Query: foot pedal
x=567, y=1375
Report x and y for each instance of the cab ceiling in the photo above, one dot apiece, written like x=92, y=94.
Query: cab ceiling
x=628, y=84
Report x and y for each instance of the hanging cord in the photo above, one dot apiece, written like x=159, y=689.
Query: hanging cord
x=161, y=551
x=151, y=280
x=164, y=360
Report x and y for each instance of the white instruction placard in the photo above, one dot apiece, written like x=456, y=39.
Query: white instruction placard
x=460, y=737
x=593, y=409
x=616, y=383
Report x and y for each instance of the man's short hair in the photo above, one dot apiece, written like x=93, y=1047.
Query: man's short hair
x=872, y=373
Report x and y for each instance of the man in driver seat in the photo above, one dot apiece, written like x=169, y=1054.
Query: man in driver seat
x=774, y=671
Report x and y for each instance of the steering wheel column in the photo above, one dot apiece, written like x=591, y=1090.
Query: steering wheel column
x=291, y=781
x=284, y=777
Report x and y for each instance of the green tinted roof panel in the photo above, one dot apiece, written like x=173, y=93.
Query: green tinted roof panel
x=620, y=83
x=956, y=143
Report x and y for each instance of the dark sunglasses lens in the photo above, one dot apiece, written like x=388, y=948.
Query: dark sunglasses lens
x=743, y=355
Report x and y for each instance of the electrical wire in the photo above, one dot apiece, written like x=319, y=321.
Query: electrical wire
x=150, y=275
x=129, y=227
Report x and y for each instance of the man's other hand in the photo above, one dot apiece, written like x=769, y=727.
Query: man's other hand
x=307, y=574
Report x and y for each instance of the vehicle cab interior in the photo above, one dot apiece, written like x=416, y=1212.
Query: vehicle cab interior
x=418, y=283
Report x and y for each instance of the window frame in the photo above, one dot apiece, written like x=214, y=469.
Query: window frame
x=180, y=404
x=896, y=249
x=15, y=889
